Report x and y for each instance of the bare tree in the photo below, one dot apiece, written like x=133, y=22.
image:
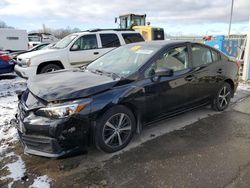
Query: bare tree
x=58, y=33
x=4, y=25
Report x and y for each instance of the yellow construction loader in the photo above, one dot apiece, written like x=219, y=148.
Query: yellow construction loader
x=138, y=23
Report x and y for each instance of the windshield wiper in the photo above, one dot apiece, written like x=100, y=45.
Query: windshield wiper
x=96, y=71
x=84, y=67
x=112, y=74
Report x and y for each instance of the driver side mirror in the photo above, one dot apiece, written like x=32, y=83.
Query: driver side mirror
x=75, y=47
x=164, y=72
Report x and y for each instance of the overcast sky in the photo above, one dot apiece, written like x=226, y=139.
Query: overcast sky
x=196, y=17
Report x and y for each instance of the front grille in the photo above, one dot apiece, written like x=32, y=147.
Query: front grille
x=40, y=143
x=21, y=63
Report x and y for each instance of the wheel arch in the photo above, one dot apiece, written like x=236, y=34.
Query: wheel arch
x=95, y=129
x=41, y=65
x=231, y=83
x=128, y=105
x=136, y=114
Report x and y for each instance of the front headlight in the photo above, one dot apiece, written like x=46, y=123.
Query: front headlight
x=28, y=61
x=63, y=110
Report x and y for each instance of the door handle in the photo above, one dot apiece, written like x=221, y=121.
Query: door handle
x=189, y=78
x=96, y=53
x=219, y=71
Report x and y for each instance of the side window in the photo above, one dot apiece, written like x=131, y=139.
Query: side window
x=86, y=42
x=132, y=37
x=201, y=55
x=176, y=59
x=110, y=40
x=215, y=56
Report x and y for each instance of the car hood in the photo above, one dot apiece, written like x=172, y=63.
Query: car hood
x=69, y=84
x=37, y=53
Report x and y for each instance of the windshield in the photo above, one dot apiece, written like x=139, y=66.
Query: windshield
x=64, y=42
x=124, y=60
x=48, y=46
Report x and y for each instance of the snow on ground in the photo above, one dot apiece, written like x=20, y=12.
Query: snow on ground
x=8, y=133
x=9, y=86
x=8, y=106
x=244, y=86
x=16, y=169
x=41, y=181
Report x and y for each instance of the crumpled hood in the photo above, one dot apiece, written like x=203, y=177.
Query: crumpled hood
x=69, y=84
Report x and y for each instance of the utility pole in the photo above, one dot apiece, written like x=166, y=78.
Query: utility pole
x=231, y=16
x=44, y=28
x=246, y=68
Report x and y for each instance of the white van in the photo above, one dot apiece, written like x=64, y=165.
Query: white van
x=13, y=39
x=74, y=50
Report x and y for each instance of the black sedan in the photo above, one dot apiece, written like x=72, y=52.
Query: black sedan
x=118, y=94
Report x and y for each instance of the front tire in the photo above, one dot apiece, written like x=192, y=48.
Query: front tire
x=50, y=68
x=222, y=98
x=115, y=129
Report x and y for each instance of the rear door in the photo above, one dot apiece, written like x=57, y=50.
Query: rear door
x=84, y=50
x=207, y=71
x=108, y=41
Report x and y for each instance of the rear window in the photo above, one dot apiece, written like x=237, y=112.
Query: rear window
x=215, y=56
x=132, y=37
x=201, y=55
x=110, y=40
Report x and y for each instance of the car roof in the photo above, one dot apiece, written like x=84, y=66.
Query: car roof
x=160, y=43
x=107, y=31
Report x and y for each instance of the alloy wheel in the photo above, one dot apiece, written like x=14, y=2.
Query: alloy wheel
x=51, y=70
x=117, y=130
x=224, y=97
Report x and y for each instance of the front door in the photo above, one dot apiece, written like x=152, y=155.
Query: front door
x=166, y=95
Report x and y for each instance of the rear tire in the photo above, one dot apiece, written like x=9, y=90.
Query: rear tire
x=115, y=129
x=50, y=68
x=222, y=98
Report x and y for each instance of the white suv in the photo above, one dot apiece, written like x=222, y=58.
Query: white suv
x=74, y=50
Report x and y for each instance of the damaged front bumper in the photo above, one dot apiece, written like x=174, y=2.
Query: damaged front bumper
x=43, y=146
x=51, y=137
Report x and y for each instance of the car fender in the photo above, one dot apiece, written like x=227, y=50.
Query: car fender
x=117, y=96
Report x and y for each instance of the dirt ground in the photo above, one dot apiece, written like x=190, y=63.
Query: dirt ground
x=201, y=148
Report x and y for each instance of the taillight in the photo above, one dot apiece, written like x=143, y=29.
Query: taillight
x=5, y=57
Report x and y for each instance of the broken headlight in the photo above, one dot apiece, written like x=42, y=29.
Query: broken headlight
x=63, y=110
